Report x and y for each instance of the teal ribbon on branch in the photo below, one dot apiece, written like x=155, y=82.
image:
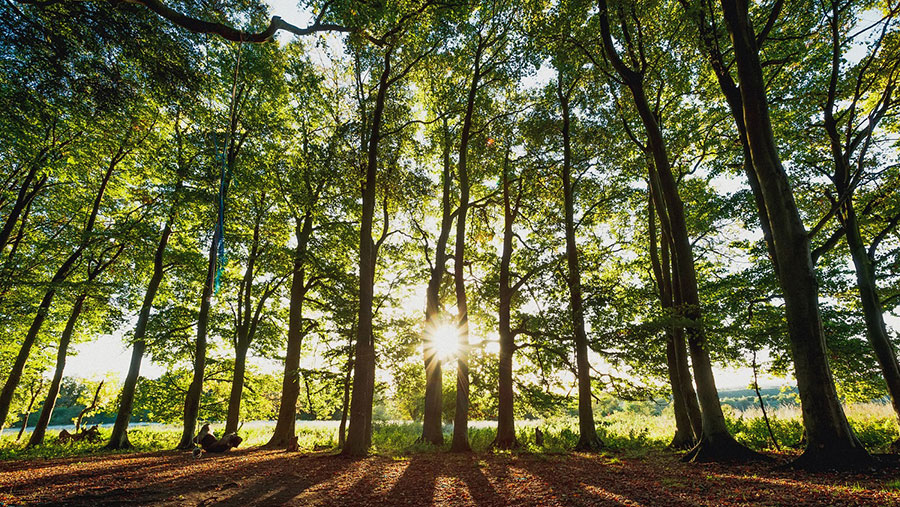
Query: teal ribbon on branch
x=224, y=183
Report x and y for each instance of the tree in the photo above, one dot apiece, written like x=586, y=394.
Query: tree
x=830, y=440
x=716, y=442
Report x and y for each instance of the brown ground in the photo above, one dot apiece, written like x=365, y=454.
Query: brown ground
x=259, y=477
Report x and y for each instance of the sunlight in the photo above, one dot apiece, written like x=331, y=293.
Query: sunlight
x=446, y=341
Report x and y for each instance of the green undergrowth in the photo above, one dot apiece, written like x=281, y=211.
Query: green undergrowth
x=624, y=433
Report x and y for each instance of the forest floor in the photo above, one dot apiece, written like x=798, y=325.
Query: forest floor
x=246, y=477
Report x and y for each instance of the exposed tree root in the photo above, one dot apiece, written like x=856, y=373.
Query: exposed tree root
x=813, y=459
x=423, y=440
x=278, y=443
x=682, y=442
x=589, y=444
x=505, y=444
x=460, y=447
x=119, y=446
x=722, y=449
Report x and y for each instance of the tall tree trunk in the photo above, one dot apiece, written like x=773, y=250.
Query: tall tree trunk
x=359, y=436
x=846, y=184
x=460, y=442
x=37, y=436
x=684, y=434
x=195, y=390
x=245, y=327
x=285, y=428
x=506, y=430
x=345, y=402
x=831, y=442
x=15, y=373
x=119, y=437
x=873, y=312
x=587, y=439
x=670, y=275
x=432, y=427
x=716, y=443
x=712, y=49
x=233, y=416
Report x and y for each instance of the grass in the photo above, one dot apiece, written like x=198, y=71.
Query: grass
x=628, y=433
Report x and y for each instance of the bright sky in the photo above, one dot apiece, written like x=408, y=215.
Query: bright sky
x=108, y=355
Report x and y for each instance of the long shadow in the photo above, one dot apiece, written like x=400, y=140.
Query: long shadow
x=372, y=477
x=418, y=480
x=481, y=489
x=286, y=488
x=653, y=483
x=67, y=475
x=569, y=478
x=205, y=482
x=32, y=464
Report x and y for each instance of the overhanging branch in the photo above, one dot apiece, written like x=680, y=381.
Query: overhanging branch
x=226, y=32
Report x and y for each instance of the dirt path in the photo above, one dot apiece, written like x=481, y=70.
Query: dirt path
x=258, y=477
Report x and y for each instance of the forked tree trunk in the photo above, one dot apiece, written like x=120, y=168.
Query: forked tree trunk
x=831, y=442
x=195, y=390
x=345, y=403
x=460, y=441
x=716, y=443
x=245, y=326
x=88, y=408
x=684, y=434
x=873, y=312
x=233, y=416
x=845, y=183
x=35, y=392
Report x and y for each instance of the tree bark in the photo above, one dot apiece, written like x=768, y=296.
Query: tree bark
x=88, y=408
x=873, y=312
x=345, y=402
x=40, y=429
x=684, y=434
x=195, y=390
x=506, y=430
x=711, y=47
x=846, y=184
x=245, y=328
x=237, y=387
x=23, y=197
x=119, y=437
x=432, y=427
x=285, y=428
x=359, y=435
x=35, y=391
x=460, y=442
x=587, y=439
x=716, y=443
x=831, y=442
